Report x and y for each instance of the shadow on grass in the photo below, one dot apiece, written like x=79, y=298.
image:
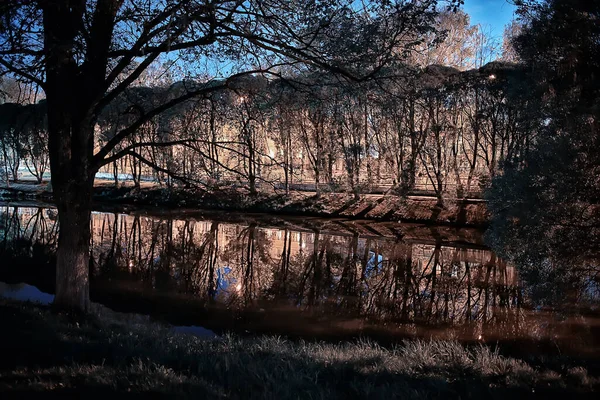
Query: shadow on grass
x=347, y=204
x=61, y=355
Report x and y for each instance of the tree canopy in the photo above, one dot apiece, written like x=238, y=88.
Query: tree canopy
x=545, y=207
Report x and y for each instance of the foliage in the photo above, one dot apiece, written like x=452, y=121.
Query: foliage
x=545, y=206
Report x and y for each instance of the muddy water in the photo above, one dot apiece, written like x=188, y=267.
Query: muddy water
x=308, y=278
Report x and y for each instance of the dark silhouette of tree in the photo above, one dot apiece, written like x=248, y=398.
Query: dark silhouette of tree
x=545, y=207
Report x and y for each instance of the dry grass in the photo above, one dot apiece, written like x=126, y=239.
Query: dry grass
x=96, y=356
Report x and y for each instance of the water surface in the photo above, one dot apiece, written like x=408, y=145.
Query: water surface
x=309, y=277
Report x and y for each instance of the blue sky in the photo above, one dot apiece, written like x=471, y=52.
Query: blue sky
x=495, y=13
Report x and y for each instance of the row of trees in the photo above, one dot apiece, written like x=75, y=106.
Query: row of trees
x=440, y=129
x=437, y=129
x=414, y=127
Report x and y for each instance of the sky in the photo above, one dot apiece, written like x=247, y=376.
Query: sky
x=494, y=13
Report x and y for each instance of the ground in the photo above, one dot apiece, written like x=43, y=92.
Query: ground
x=45, y=354
x=377, y=207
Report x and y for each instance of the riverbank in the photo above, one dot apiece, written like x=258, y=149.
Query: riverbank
x=99, y=355
x=376, y=207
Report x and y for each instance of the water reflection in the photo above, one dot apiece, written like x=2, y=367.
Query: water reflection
x=245, y=266
x=292, y=278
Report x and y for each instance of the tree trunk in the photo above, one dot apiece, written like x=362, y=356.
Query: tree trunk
x=73, y=254
x=72, y=183
x=116, y=174
x=73, y=88
x=252, y=184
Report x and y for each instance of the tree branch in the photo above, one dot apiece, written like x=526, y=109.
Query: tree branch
x=24, y=74
x=124, y=133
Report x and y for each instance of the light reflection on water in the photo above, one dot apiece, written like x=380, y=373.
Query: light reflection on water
x=303, y=277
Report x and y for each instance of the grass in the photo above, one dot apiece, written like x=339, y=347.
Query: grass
x=46, y=354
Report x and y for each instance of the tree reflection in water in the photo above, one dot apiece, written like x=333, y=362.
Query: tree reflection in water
x=332, y=280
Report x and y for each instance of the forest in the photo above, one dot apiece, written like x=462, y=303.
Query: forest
x=444, y=124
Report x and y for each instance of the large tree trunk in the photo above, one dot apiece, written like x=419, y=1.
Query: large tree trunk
x=73, y=254
x=72, y=182
x=72, y=92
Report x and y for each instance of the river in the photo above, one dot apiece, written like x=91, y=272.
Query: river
x=304, y=278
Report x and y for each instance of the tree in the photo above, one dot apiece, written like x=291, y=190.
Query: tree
x=456, y=47
x=435, y=154
x=545, y=207
x=34, y=136
x=23, y=139
x=511, y=31
x=282, y=123
x=85, y=53
x=10, y=140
